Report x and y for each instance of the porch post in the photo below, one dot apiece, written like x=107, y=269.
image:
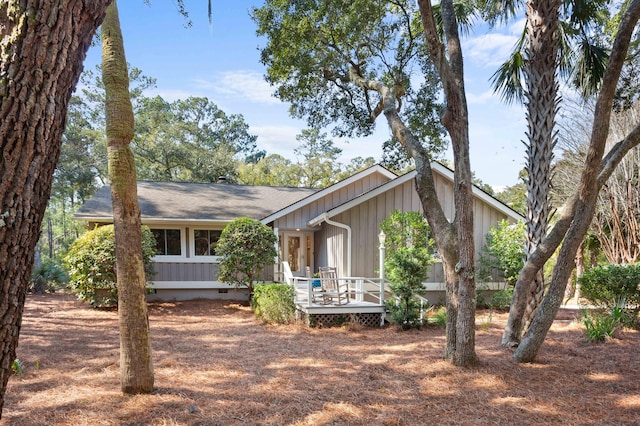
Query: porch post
x=382, y=237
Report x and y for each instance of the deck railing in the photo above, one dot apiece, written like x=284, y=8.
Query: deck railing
x=360, y=289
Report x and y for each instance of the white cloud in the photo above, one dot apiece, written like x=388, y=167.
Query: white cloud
x=483, y=98
x=489, y=50
x=517, y=27
x=171, y=95
x=277, y=139
x=249, y=85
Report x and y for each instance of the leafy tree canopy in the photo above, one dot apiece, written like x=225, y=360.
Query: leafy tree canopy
x=317, y=165
x=314, y=47
x=189, y=140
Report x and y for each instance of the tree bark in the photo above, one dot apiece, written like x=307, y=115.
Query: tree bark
x=136, y=366
x=444, y=231
x=586, y=196
x=542, y=103
x=42, y=47
x=449, y=64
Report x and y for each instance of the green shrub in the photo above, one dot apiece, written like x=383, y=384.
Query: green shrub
x=439, y=317
x=496, y=300
x=407, y=268
x=92, y=264
x=503, y=252
x=408, y=259
x=17, y=367
x=48, y=276
x=606, y=286
x=273, y=303
x=599, y=326
x=246, y=247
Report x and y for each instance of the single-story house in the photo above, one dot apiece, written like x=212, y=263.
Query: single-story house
x=336, y=226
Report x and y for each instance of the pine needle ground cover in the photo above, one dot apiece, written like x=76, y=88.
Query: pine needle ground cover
x=215, y=364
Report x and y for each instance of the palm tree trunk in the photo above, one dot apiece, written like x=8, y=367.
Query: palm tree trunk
x=590, y=183
x=136, y=366
x=541, y=102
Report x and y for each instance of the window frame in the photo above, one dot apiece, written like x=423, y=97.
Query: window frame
x=159, y=258
x=192, y=244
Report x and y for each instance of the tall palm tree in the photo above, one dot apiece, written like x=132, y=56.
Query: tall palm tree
x=541, y=102
x=136, y=367
x=543, y=51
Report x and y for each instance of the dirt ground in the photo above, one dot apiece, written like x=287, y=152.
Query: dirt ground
x=215, y=364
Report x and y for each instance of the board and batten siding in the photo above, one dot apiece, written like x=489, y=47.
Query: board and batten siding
x=298, y=219
x=365, y=218
x=191, y=272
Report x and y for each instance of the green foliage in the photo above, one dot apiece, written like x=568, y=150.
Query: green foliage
x=17, y=367
x=314, y=50
x=495, y=300
x=515, y=196
x=318, y=167
x=406, y=264
x=406, y=229
x=246, y=247
x=606, y=286
x=439, y=317
x=599, y=326
x=92, y=264
x=272, y=170
x=503, y=252
x=273, y=303
x=51, y=273
x=190, y=140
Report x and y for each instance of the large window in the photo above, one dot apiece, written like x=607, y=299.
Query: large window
x=206, y=241
x=168, y=242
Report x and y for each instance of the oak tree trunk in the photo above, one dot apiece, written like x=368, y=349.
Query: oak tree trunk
x=447, y=58
x=136, y=366
x=42, y=47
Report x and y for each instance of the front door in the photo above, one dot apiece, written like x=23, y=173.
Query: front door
x=297, y=249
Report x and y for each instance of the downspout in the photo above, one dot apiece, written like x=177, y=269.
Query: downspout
x=278, y=276
x=348, y=228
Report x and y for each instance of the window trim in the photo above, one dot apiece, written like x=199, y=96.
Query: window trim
x=164, y=258
x=192, y=244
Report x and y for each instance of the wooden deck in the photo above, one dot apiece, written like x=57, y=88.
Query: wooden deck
x=364, y=306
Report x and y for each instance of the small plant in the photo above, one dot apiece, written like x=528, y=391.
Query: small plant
x=407, y=263
x=439, y=317
x=503, y=253
x=273, y=303
x=48, y=276
x=501, y=300
x=17, y=367
x=599, y=327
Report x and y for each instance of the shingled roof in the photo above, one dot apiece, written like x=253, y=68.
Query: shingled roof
x=181, y=201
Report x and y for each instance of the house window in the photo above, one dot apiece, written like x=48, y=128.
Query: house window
x=205, y=241
x=168, y=242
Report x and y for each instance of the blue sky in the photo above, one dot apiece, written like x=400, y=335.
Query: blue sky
x=221, y=62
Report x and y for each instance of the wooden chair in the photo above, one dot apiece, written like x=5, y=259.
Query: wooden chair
x=335, y=290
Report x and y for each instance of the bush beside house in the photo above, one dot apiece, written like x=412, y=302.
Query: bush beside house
x=408, y=259
x=246, y=246
x=91, y=261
